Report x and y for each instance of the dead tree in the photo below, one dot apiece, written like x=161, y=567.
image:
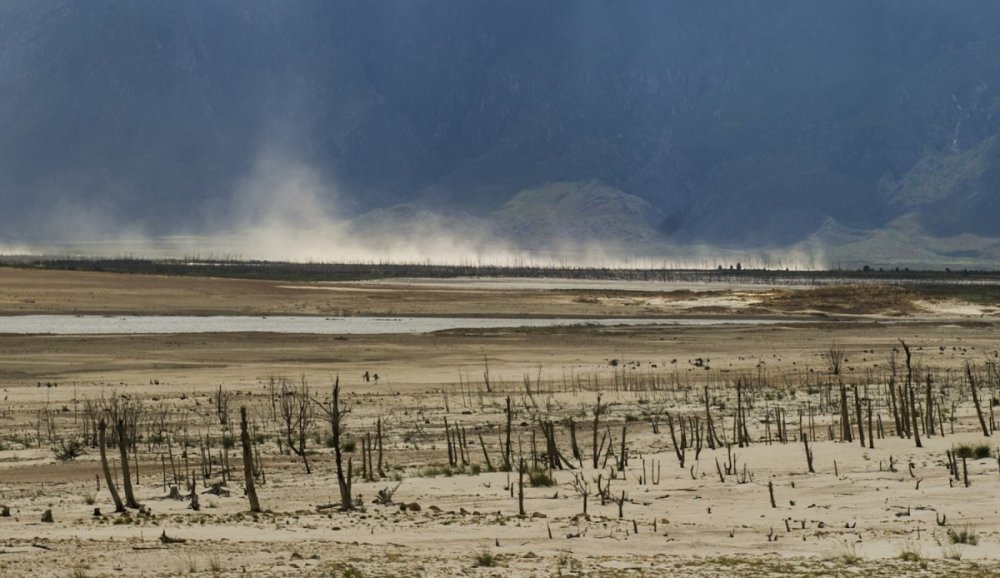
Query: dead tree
x=809, y=453
x=654, y=418
x=556, y=461
x=91, y=416
x=929, y=408
x=603, y=492
x=335, y=415
x=123, y=439
x=68, y=451
x=573, y=445
x=248, y=462
x=582, y=487
x=486, y=373
x=108, y=479
x=914, y=417
x=971, y=374
x=835, y=356
x=860, y=416
x=742, y=434
x=193, y=495
x=597, y=426
x=452, y=454
x=378, y=440
x=845, y=416
x=520, y=488
x=620, y=501
x=297, y=417
x=679, y=448
x=712, y=437
x=486, y=456
x=871, y=430
x=696, y=433
x=893, y=403
x=222, y=408
x=508, y=449
x=623, y=457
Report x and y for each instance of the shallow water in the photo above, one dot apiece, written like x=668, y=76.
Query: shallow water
x=166, y=324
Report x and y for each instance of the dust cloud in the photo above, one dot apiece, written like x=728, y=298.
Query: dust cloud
x=284, y=210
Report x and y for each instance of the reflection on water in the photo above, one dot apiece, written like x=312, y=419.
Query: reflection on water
x=124, y=324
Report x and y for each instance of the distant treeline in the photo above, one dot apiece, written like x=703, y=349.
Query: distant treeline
x=286, y=271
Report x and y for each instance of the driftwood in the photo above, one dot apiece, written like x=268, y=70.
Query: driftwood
x=384, y=496
x=217, y=489
x=168, y=540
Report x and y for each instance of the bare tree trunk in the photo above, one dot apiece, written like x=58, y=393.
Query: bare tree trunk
x=809, y=455
x=860, y=416
x=597, y=422
x=486, y=455
x=871, y=430
x=623, y=458
x=845, y=416
x=248, y=462
x=130, y=500
x=712, y=437
x=929, y=409
x=304, y=453
x=520, y=489
x=914, y=417
x=108, y=478
x=975, y=398
x=573, y=445
x=508, y=452
x=378, y=435
x=335, y=414
x=739, y=413
x=894, y=407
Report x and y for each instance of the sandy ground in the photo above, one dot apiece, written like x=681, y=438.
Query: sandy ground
x=27, y=291
x=35, y=291
x=855, y=515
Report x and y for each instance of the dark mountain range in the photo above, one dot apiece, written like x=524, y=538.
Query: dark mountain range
x=732, y=123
